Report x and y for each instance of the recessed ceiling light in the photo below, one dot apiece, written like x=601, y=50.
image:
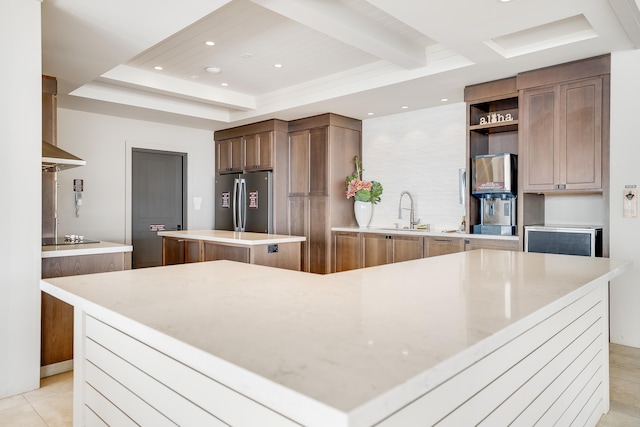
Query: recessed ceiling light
x=157, y=67
x=370, y=114
x=404, y=107
x=277, y=65
x=444, y=99
x=210, y=43
x=213, y=70
x=224, y=84
x=504, y=1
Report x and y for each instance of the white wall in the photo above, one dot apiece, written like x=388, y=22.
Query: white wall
x=575, y=209
x=625, y=169
x=420, y=152
x=105, y=142
x=21, y=182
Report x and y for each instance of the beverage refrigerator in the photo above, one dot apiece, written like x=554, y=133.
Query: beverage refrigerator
x=244, y=202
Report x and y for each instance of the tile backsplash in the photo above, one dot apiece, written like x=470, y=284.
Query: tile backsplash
x=420, y=152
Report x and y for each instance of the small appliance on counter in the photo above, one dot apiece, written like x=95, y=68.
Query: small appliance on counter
x=494, y=183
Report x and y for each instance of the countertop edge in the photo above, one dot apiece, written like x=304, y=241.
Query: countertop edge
x=424, y=233
x=238, y=238
x=56, y=251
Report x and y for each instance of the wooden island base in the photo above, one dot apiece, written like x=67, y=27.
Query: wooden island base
x=271, y=250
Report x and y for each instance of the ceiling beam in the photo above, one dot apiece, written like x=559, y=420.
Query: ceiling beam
x=151, y=101
x=155, y=82
x=336, y=20
x=628, y=13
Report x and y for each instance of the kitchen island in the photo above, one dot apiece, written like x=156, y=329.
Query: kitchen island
x=272, y=250
x=480, y=336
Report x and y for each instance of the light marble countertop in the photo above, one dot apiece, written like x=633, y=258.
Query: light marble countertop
x=54, y=251
x=422, y=232
x=235, y=237
x=355, y=341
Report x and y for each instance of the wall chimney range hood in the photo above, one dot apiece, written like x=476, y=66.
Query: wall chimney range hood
x=55, y=159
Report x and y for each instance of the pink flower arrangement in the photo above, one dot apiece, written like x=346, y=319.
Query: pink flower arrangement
x=363, y=191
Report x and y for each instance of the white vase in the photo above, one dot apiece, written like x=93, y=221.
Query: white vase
x=363, y=211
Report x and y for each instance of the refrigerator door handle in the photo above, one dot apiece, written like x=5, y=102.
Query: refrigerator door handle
x=243, y=204
x=236, y=185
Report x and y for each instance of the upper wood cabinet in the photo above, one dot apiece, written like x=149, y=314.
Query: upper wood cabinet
x=258, y=151
x=308, y=153
x=562, y=134
x=258, y=146
x=229, y=155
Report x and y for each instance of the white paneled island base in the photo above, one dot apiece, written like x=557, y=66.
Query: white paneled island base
x=481, y=337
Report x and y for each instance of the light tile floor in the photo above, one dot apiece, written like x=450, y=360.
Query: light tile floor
x=624, y=376
x=52, y=406
x=49, y=406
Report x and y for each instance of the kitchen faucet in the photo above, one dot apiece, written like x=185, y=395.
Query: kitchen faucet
x=412, y=221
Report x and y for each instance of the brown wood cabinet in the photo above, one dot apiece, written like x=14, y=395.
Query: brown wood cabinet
x=321, y=153
x=56, y=345
x=180, y=251
x=229, y=155
x=251, y=152
x=358, y=250
x=347, y=250
x=379, y=249
x=442, y=245
x=505, y=245
x=562, y=136
x=258, y=151
x=214, y=252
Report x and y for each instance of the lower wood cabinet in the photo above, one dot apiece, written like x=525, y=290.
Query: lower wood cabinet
x=505, y=245
x=214, y=252
x=346, y=251
x=434, y=246
x=180, y=251
x=354, y=250
x=56, y=336
x=379, y=249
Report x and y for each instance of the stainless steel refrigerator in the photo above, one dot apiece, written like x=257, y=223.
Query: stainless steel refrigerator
x=244, y=202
